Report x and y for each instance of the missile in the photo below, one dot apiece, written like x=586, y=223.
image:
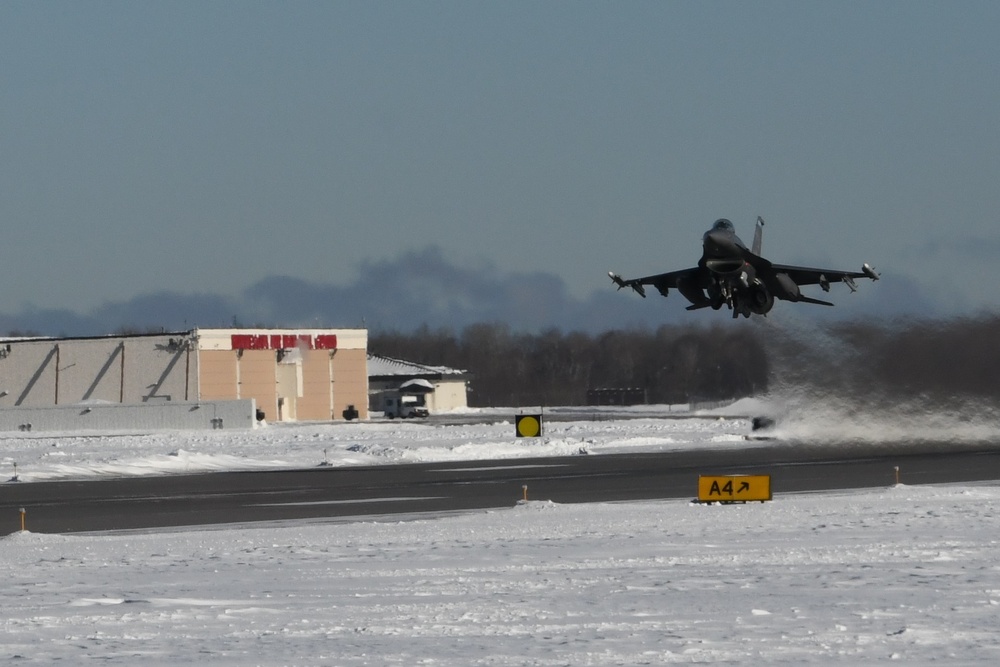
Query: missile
x=618, y=280
x=869, y=271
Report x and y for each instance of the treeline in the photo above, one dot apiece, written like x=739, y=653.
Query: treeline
x=939, y=360
x=919, y=360
x=673, y=364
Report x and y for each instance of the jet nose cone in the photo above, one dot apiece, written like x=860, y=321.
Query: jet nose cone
x=719, y=243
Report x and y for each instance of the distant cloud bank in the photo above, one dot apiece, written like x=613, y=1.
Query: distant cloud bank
x=424, y=288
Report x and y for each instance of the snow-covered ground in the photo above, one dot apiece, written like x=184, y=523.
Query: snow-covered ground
x=51, y=456
x=902, y=573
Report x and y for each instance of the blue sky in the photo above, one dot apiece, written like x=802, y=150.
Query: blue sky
x=201, y=150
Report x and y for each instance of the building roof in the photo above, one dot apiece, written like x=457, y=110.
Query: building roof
x=379, y=367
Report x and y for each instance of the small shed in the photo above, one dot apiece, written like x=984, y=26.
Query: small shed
x=443, y=389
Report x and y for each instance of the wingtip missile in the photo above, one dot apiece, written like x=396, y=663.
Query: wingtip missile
x=869, y=271
x=621, y=282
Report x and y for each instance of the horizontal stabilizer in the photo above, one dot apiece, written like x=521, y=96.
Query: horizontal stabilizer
x=806, y=299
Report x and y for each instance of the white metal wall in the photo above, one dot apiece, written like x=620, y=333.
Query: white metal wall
x=139, y=369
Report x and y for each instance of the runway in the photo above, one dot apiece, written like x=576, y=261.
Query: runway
x=397, y=491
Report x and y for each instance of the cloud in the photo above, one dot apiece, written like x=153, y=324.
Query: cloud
x=425, y=287
x=52, y=322
x=893, y=297
x=170, y=310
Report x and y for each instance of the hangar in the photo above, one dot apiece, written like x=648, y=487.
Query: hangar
x=289, y=374
x=439, y=388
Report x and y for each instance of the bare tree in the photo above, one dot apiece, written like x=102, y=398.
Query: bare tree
x=670, y=365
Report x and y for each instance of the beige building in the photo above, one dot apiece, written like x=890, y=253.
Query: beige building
x=292, y=374
x=440, y=388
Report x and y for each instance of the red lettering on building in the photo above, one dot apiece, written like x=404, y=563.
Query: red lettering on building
x=283, y=341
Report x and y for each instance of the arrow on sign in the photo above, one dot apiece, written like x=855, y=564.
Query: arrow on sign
x=745, y=486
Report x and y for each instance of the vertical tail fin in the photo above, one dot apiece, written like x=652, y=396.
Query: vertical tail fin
x=758, y=236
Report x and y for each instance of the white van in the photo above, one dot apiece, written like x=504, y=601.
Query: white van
x=404, y=406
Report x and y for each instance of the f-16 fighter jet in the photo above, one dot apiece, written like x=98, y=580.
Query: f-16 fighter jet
x=730, y=274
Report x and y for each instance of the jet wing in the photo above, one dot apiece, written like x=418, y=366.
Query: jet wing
x=803, y=275
x=809, y=276
x=661, y=281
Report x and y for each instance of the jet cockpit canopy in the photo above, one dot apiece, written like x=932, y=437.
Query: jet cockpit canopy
x=723, y=224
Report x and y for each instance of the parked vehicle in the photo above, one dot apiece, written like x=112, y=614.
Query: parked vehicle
x=405, y=406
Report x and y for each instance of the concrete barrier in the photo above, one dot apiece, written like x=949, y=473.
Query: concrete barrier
x=170, y=415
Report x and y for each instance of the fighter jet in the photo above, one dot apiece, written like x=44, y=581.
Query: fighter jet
x=730, y=274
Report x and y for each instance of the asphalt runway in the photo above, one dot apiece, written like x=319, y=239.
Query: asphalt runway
x=401, y=491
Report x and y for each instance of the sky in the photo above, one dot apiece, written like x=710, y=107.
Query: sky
x=169, y=163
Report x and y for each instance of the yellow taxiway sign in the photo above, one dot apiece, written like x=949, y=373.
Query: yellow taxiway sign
x=733, y=488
